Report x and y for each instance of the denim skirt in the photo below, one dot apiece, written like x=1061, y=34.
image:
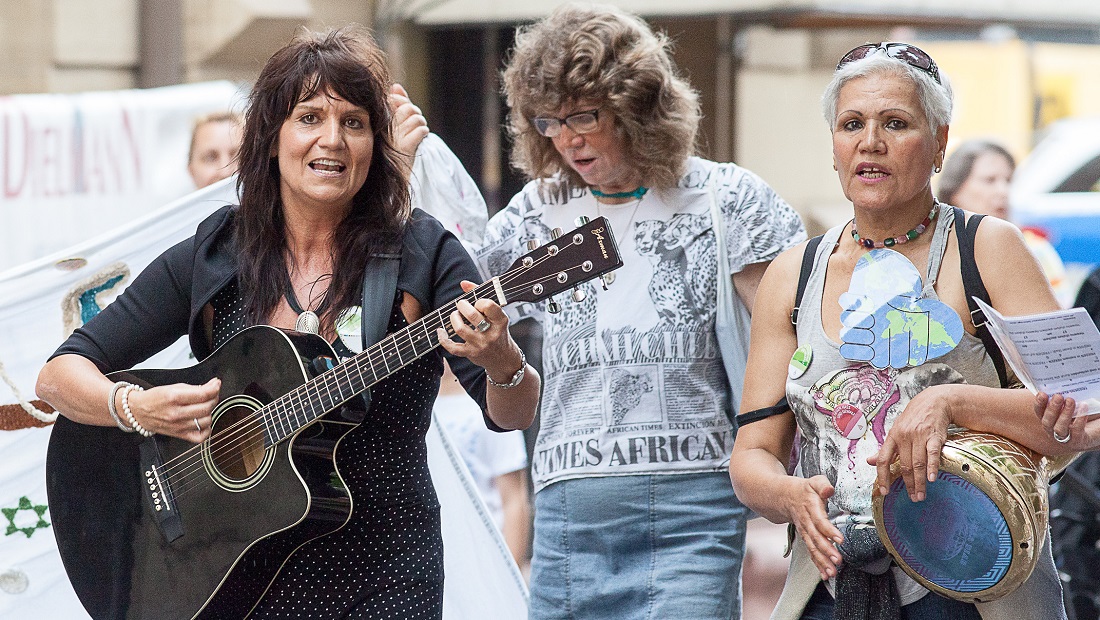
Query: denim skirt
x=647, y=547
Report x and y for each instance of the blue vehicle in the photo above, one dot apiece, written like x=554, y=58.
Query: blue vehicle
x=1056, y=192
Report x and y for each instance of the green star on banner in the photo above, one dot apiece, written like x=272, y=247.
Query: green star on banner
x=24, y=505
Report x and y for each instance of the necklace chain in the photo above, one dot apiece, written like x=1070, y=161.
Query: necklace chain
x=633, y=212
x=900, y=239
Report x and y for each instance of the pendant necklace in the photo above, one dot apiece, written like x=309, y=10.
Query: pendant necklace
x=308, y=321
x=638, y=194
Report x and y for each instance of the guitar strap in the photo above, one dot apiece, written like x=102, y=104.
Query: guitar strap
x=379, y=292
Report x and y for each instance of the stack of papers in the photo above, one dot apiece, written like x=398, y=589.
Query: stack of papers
x=1057, y=352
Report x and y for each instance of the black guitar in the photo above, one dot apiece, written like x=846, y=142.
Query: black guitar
x=159, y=528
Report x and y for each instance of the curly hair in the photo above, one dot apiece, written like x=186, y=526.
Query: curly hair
x=348, y=63
x=603, y=55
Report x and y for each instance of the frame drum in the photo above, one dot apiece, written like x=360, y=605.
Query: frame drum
x=976, y=536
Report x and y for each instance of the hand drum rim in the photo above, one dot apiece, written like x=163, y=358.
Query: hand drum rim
x=1007, y=485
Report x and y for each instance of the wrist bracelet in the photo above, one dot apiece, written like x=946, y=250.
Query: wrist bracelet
x=111, y=406
x=516, y=378
x=130, y=414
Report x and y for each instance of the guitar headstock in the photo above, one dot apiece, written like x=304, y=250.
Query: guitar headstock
x=573, y=258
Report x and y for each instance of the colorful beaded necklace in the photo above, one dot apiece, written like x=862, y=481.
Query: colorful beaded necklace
x=900, y=239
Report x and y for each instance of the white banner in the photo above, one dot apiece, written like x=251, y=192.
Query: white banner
x=43, y=301
x=76, y=165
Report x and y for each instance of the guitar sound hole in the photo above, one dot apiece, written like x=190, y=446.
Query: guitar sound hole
x=237, y=443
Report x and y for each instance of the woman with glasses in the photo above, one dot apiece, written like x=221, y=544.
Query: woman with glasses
x=862, y=397
x=634, y=514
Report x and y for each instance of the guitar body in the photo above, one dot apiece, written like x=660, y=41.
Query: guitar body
x=160, y=529
x=238, y=511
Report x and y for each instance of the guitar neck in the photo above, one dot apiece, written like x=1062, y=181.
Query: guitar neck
x=565, y=262
x=286, y=415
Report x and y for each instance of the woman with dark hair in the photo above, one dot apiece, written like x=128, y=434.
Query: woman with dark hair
x=880, y=356
x=322, y=188
x=634, y=515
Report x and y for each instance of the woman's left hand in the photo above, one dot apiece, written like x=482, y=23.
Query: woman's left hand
x=483, y=327
x=915, y=440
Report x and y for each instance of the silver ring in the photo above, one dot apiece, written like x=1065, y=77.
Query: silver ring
x=483, y=325
x=1060, y=439
x=197, y=425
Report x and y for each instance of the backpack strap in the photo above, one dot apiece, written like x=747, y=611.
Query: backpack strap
x=808, y=258
x=974, y=287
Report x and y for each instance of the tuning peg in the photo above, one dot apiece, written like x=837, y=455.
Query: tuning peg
x=557, y=232
x=532, y=244
x=578, y=295
x=607, y=279
x=581, y=221
x=552, y=306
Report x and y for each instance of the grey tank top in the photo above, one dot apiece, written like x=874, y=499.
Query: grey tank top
x=844, y=409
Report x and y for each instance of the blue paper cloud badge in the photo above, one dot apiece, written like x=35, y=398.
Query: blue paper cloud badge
x=886, y=322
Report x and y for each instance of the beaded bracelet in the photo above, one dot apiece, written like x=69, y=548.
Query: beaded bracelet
x=130, y=414
x=111, y=406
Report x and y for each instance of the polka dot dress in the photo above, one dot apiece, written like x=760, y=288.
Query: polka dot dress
x=387, y=562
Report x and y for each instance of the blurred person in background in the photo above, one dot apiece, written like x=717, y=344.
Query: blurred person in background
x=856, y=406
x=977, y=177
x=1075, y=503
x=497, y=464
x=634, y=514
x=215, y=143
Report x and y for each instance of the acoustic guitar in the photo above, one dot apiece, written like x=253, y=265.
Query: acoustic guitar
x=159, y=528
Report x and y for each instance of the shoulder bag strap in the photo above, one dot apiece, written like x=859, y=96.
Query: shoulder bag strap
x=974, y=287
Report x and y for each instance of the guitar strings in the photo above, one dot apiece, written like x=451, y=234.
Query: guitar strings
x=245, y=437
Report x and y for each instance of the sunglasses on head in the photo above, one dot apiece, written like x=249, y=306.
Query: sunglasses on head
x=909, y=54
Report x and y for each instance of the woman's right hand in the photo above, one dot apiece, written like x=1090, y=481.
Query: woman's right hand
x=178, y=410
x=806, y=510
x=1065, y=418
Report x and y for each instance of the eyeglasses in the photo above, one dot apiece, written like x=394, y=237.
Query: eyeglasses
x=581, y=122
x=909, y=54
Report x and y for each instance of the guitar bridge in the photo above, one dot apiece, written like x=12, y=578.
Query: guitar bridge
x=158, y=494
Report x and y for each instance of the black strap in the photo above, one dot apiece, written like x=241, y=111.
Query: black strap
x=759, y=414
x=808, y=257
x=379, y=291
x=974, y=287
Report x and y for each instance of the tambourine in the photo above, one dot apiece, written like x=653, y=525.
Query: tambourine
x=976, y=536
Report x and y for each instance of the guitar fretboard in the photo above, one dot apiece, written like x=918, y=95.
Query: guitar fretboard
x=286, y=415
